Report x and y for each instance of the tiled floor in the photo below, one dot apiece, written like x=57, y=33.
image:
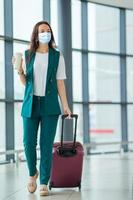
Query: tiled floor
x=105, y=177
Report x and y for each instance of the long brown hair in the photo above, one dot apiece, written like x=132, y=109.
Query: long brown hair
x=34, y=44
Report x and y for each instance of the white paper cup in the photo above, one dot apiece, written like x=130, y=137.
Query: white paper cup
x=18, y=59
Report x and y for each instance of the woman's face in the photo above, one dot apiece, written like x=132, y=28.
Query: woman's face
x=44, y=28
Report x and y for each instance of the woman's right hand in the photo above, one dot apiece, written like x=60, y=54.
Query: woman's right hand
x=19, y=69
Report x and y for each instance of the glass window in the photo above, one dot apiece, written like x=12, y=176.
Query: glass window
x=105, y=126
x=1, y=17
x=18, y=126
x=129, y=31
x=25, y=15
x=78, y=109
x=77, y=76
x=18, y=86
x=2, y=130
x=54, y=19
x=130, y=125
x=104, y=78
x=2, y=71
x=129, y=79
x=58, y=130
x=103, y=28
x=76, y=23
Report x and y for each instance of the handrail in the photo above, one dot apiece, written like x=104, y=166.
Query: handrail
x=85, y=145
x=8, y=152
x=92, y=144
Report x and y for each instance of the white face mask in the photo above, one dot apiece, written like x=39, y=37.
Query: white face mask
x=44, y=37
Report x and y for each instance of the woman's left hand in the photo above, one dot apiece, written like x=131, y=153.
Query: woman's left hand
x=67, y=111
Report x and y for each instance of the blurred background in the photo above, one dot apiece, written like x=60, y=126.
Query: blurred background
x=96, y=39
x=97, y=43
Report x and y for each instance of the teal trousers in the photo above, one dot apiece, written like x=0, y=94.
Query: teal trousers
x=48, y=124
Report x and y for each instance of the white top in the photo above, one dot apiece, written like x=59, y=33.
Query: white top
x=40, y=72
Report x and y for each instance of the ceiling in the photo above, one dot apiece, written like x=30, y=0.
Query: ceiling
x=117, y=3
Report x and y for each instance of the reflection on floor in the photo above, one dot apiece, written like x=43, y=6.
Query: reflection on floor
x=105, y=177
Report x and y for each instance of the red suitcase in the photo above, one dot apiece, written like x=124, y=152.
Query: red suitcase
x=67, y=161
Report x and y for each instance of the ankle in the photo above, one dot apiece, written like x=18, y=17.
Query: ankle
x=43, y=185
x=33, y=177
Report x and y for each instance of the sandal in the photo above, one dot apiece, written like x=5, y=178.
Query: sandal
x=32, y=186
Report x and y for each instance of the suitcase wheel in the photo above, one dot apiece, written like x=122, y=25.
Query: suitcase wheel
x=50, y=185
x=79, y=186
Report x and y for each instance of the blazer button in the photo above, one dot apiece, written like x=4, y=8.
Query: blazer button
x=51, y=80
x=48, y=92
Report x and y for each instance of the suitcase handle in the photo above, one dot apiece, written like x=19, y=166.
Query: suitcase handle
x=72, y=116
x=66, y=152
x=75, y=129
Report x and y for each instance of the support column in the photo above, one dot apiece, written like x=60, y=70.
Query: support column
x=65, y=45
x=85, y=76
x=9, y=86
x=123, y=77
x=46, y=10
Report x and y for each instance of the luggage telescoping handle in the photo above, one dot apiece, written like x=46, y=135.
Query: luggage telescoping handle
x=75, y=129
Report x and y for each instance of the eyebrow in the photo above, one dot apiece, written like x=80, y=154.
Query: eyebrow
x=44, y=29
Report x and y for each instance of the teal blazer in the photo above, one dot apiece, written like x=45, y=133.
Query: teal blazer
x=51, y=105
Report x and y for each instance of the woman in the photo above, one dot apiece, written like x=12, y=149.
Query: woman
x=43, y=73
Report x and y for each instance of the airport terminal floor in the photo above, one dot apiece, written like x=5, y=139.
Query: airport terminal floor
x=105, y=177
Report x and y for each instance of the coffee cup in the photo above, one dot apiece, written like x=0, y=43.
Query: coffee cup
x=18, y=60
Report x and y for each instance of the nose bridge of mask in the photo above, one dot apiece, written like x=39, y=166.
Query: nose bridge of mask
x=44, y=33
